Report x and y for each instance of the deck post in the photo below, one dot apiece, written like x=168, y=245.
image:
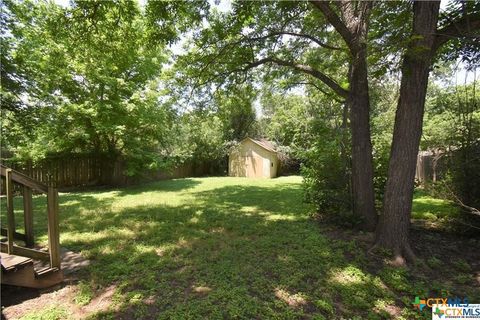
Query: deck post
x=53, y=231
x=28, y=216
x=10, y=211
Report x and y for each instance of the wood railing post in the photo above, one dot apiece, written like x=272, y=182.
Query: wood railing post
x=53, y=231
x=28, y=215
x=10, y=211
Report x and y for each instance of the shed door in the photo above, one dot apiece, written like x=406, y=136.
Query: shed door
x=266, y=167
x=254, y=166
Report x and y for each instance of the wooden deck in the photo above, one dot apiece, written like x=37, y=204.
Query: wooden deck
x=12, y=262
x=17, y=252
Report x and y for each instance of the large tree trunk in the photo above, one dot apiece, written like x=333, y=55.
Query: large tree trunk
x=353, y=28
x=362, y=161
x=393, y=228
x=359, y=101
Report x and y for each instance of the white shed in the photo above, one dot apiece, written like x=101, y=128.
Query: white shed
x=253, y=159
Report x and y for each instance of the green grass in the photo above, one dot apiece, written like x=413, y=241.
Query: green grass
x=50, y=313
x=219, y=248
x=429, y=208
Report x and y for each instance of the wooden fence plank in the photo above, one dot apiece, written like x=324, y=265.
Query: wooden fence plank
x=92, y=170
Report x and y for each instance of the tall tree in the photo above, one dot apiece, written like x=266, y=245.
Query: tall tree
x=393, y=228
x=290, y=39
x=354, y=30
x=88, y=77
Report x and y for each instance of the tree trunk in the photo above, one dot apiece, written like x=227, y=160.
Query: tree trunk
x=359, y=101
x=393, y=229
x=345, y=150
x=353, y=28
x=362, y=160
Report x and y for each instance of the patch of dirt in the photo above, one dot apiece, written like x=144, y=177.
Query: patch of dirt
x=293, y=300
x=426, y=243
x=202, y=290
x=24, y=300
x=393, y=311
x=442, y=257
x=447, y=247
x=17, y=301
x=454, y=253
x=101, y=302
x=57, y=296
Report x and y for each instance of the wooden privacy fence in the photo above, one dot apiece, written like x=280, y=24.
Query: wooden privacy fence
x=430, y=166
x=66, y=172
x=63, y=172
x=77, y=170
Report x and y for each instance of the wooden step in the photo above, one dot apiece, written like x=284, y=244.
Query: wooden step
x=48, y=277
x=12, y=262
x=19, y=271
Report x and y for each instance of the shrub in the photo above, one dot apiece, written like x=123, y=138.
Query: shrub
x=326, y=172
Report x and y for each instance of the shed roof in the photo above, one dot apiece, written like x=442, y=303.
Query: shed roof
x=265, y=144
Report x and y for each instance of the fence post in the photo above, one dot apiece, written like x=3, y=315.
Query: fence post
x=53, y=231
x=28, y=215
x=10, y=211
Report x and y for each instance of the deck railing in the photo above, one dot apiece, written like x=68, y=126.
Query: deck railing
x=28, y=186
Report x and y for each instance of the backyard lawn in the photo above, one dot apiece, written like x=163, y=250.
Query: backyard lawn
x=233, y=248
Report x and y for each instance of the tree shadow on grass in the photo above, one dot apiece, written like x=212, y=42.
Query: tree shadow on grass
x=241, y=251
x=281, y=200
x=72, y=212
x=173, y=185
x=237, y=251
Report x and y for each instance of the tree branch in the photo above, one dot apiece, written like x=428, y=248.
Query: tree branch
x=463, y=27
x=469, y=209
x=319, y=89
x=296, y=34
x=305, y=69
x=336, y=22
x=272, y=34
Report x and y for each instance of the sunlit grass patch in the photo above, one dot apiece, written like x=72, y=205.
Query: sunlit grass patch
x=50, y=313
x=347, y=276
x=220, y=248
x=430, y=208
x=396, y=278
x=357, y=289
x=84, y=294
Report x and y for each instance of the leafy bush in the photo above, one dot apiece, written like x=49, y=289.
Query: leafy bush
x=460, y=183
x=464, y=172
x=452, y=126
x=326, y=172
